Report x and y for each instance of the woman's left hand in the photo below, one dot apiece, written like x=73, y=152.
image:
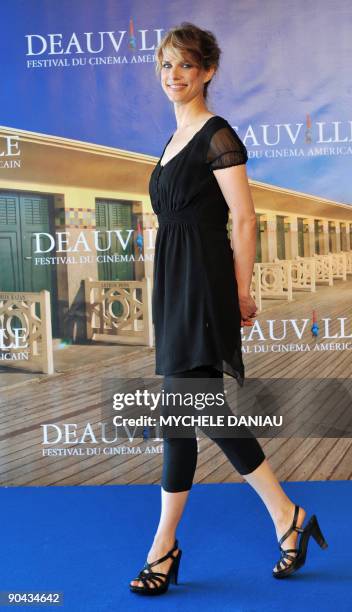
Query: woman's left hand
x=248, y=309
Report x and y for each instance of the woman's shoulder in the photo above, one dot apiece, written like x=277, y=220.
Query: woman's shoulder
x=222, y=139
x=220, y=128
x=213, y=125
x=218, y=122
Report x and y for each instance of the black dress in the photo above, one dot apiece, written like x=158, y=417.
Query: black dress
x=195, y=304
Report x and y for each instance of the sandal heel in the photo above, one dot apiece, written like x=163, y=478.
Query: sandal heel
x=317, y=533
x=176, y=565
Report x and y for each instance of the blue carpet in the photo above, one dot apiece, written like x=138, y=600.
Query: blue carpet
x=88, y=542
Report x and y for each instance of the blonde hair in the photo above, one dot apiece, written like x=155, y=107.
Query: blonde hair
x=188, y=39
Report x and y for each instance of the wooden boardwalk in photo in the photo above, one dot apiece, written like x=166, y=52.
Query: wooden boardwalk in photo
x=75, y=396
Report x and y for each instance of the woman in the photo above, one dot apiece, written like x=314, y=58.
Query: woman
x=201, y=294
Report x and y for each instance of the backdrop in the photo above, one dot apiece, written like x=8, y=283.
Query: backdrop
x=84, y=120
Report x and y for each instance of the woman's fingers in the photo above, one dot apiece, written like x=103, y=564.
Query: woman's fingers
x=247, y=320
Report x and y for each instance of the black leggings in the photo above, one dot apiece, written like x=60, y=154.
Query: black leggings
x=180, y=454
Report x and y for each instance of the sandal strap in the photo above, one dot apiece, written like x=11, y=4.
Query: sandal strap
x=156, y=578
x=144, y=573
x=284, y=554
x=293, y=526
x=152, y=577
x=285, y=550
x=152, y=580
x=157, y=575
x=283, y=562
x=167, y=556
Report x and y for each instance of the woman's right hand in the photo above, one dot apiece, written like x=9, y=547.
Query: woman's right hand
x=248, y=309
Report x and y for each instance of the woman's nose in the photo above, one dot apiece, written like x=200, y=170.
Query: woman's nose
x=174, y=71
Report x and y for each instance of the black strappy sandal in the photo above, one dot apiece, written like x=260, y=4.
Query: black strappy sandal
x=158, y=579
x=311, y=529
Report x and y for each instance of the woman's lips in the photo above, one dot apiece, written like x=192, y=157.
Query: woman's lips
x=176, y=86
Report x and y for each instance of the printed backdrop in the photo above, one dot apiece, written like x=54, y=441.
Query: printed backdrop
x=83, y=122
x=86, y=71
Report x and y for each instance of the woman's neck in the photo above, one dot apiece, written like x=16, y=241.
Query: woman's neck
x=190, y=117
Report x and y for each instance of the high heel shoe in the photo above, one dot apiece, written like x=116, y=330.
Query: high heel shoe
x=158, y=579
x=311, y=529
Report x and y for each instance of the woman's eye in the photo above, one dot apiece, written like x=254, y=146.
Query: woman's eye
x=167, y=65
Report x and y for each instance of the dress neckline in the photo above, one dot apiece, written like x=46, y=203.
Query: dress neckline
x=185, y=146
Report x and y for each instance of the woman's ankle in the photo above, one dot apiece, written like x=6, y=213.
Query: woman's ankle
x=287, y=514
x=164, y=539
x=283, y=512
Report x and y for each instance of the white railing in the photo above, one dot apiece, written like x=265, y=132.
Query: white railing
x=278, y=280
x=255, y=287
x=348, y=255
x=119, y=311
x=323, y=269
x=302, y=273
x=338, y=261
x=330, y=266
x=272, y=281
x=25, y=331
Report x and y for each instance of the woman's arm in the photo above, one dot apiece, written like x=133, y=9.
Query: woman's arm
x=233, y=183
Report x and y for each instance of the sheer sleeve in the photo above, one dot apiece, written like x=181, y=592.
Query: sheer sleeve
x=226, y=149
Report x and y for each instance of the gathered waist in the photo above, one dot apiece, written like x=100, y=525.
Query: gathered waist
x=188, y=217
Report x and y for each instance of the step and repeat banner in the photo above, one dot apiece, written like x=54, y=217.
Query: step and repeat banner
x=83, y=122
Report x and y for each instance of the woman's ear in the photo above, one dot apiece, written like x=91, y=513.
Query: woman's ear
x=210, y=73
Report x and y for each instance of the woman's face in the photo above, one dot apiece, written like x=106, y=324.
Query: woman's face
x=182, y=80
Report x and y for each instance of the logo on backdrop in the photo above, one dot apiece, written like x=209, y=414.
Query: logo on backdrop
x=93, y=246
x=336, y=335
x=325, y=138
x=12, y=340
x=56, y=437
x=137, y=46
x=10, y=151
x=55, y=50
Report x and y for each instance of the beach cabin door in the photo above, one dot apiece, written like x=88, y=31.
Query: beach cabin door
x=115, y=215
x=22, y=214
